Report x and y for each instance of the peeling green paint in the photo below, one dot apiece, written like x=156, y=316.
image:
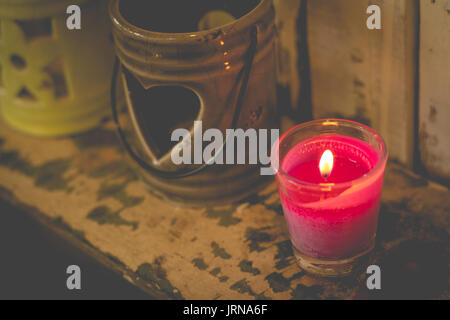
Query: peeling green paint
x=118, y=191
x=284, y=255
x=258, y=198
x=13, y=161
x=219, y=252
x=302, y=292
x=247, y=266
x=104, y=215
x=261, y=199
x=215, y=271
x=298, y=275
x=225, y=217
x=256, y=237
x=157, y=276
x=242, y=286
x=199, y=263
x=278, y=282
x=50, y=175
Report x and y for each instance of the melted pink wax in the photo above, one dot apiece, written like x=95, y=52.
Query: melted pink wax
x=335, y=221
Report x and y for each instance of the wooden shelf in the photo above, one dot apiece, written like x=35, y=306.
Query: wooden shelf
x=82, y=188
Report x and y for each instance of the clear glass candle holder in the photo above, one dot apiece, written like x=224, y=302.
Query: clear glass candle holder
x=330, y=177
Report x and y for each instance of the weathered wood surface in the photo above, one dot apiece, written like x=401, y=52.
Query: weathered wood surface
x=434, y=86
x=366, y=75
x=82, y=188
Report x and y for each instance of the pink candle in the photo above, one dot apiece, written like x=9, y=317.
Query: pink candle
x=330, y=182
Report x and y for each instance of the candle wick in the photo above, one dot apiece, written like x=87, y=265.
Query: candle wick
x=325, y=176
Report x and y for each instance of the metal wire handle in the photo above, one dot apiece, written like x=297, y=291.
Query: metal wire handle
x=244, y=73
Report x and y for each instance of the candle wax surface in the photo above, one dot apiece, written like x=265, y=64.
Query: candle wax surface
x=352, y=159
x=331, y=223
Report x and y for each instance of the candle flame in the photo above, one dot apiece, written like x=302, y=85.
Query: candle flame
x=326, y=163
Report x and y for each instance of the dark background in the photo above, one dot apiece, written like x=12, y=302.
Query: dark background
x=33, y=263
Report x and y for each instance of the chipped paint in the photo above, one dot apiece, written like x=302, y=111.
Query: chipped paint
x=256, y=237
x=219, y=252
x=247, y=266
x=216, y=271
x=225, y=216
x=199, y=263
x=277, y=282
x=118, y=191
x=302, y=292
x=242, y=286
x=156, y=275
x=50, y=175
x=104, y=215
x=284, y=255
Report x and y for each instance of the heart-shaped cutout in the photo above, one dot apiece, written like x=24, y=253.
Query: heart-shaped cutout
x=159, y=110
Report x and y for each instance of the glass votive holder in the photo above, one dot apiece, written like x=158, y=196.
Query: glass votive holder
x=330, y=177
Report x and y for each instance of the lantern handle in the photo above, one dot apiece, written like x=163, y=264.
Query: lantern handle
x=245, y=73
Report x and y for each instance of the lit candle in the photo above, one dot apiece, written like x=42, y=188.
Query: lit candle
x=330, y=176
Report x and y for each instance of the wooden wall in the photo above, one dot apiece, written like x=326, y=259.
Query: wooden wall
x=397, y=79
x=434, y=88
x=292, y=61
x=366, y=75
x=288, y=12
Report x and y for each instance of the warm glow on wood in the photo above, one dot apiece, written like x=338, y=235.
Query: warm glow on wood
x=326, y=163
